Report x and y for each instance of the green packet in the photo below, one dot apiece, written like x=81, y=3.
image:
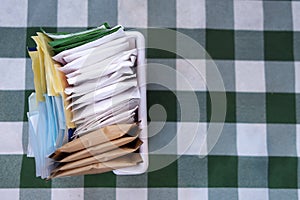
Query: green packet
x=73, y=42
x=77, y=38
x=62, y=35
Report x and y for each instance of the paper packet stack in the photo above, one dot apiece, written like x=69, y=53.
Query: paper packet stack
x=102, y=150
x=86, y=93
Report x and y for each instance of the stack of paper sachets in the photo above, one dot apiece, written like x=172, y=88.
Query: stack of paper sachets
x=83, y=114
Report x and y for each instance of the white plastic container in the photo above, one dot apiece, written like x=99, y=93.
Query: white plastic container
x=142, y=112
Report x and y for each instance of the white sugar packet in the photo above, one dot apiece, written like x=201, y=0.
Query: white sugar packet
x=104, y=105
x=102, y=93
x=94, y=57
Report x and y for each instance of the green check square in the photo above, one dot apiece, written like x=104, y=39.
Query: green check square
x=107, y=179
x=166, y=99
x=165, y=176
x=282, y=172
x=280, y=108
x=278, y=45
x=28, y=178
x=230, y=106
x=222, y=171
x=220, y=44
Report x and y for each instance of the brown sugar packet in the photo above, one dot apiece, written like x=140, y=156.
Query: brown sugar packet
x=121, y=162
x=104, y=157
x=93, y=138
x=101, y=148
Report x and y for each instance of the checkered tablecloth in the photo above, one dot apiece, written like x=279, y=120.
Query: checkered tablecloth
x=256, y=46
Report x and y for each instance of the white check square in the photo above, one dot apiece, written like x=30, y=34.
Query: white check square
x=13, y=13
x=190, y=14
x=67, y=193
x=248, y=15
x=253, y=193
x=191, y=75
x=297, y=77
x=12, y=72
x=131, y=193
x=11, y=138
x=9, y=193
x=133, y=13
x=250, y=76
x=75, y=16
x=192, y=193
x=191, y=138
x=296, y=15
x=252, y=140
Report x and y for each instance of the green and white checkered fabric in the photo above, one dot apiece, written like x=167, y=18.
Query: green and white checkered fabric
x=256, y=46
